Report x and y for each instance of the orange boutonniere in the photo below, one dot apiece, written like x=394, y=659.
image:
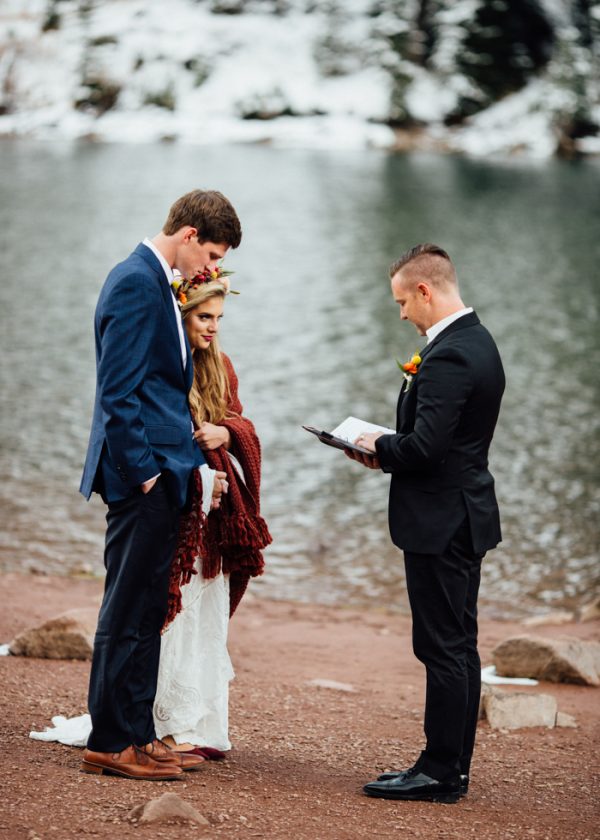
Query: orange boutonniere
x=410, y=369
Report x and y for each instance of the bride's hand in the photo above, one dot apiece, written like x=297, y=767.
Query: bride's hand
x=209, y=436
x=220, y=486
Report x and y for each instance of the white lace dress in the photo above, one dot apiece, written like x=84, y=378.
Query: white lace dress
x=192, y=696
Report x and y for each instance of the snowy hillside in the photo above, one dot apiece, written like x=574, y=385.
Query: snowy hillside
x=481, y=76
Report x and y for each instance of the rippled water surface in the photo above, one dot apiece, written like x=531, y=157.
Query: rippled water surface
x=314, y=336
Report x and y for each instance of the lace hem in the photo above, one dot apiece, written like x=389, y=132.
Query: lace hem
x=192, y=696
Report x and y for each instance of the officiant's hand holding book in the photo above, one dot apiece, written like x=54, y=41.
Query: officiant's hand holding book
x=346, y=434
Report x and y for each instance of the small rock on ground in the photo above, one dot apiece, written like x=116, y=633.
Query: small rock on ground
x=563, y=719
x=332, y=684
x=167, y=808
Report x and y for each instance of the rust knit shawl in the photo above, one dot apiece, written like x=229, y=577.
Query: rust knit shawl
x=230, y=538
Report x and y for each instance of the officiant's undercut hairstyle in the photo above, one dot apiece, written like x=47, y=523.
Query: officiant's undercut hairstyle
x=212, y=215
x=428, y=263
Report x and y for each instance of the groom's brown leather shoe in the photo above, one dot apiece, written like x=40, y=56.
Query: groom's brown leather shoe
x=133, y=763
x=162, y=753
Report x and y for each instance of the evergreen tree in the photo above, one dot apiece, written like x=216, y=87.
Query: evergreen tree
x=575, y=75
x=505, y=43
x=401, y=44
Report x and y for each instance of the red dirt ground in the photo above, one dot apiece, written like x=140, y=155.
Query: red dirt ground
x=301, y=753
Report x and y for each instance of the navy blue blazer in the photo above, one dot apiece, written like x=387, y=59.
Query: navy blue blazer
x=141, y=424
x=439, y=457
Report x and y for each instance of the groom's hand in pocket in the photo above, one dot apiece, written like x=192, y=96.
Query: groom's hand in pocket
x=147, y=486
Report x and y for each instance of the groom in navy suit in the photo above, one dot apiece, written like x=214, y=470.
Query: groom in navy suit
x=442, y=511
x=140, y=459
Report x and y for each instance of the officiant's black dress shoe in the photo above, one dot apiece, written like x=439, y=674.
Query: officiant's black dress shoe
x=413, y=785
x=464, y=779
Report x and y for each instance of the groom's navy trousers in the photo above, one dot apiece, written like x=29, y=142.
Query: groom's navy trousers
x=140, y=541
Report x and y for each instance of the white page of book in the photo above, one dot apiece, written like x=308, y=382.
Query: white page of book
x=352, y=427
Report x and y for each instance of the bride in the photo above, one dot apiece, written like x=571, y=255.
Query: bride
x=217, y=551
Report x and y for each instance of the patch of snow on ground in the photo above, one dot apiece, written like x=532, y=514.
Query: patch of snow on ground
x=240, y=65
x=517, y=123
x=429, y=98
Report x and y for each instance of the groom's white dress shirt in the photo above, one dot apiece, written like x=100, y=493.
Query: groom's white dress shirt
x=169, y=277
x=436, y=329
x=207, y=474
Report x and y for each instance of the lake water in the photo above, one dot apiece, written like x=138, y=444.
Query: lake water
x=314, y=336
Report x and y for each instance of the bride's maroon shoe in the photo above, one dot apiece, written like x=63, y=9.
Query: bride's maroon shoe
x=208, y=753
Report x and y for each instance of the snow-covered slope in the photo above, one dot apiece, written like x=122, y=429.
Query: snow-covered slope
x=292, y=72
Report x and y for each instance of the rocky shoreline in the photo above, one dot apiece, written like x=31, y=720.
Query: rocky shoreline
x=324, y=698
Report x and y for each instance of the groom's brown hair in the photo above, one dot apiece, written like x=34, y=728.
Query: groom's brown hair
x=212, y=215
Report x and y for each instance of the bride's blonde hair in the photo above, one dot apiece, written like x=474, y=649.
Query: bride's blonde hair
x=210, y=390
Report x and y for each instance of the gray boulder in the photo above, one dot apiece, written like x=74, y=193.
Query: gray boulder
x=167, y=808
x=555, y=660
x=67, y=636
x=516, y=710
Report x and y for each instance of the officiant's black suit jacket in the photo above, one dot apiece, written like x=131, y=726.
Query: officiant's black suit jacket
x=439, y=457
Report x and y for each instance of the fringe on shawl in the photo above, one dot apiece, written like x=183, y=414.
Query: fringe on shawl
x=230, y=538
x=191, y=544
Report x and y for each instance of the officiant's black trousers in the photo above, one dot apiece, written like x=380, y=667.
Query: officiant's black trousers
x=442, y=589
x=140, y=541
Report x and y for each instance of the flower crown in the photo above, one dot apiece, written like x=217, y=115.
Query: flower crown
x=182, y=287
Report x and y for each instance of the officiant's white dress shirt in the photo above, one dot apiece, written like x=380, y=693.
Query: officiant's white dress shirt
x=436, y=329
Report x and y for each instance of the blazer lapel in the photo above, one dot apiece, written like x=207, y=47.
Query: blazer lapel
x=469, y=320
x=399, y=403
x=149, y=258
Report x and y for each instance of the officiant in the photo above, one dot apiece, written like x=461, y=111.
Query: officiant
x=443, y=512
